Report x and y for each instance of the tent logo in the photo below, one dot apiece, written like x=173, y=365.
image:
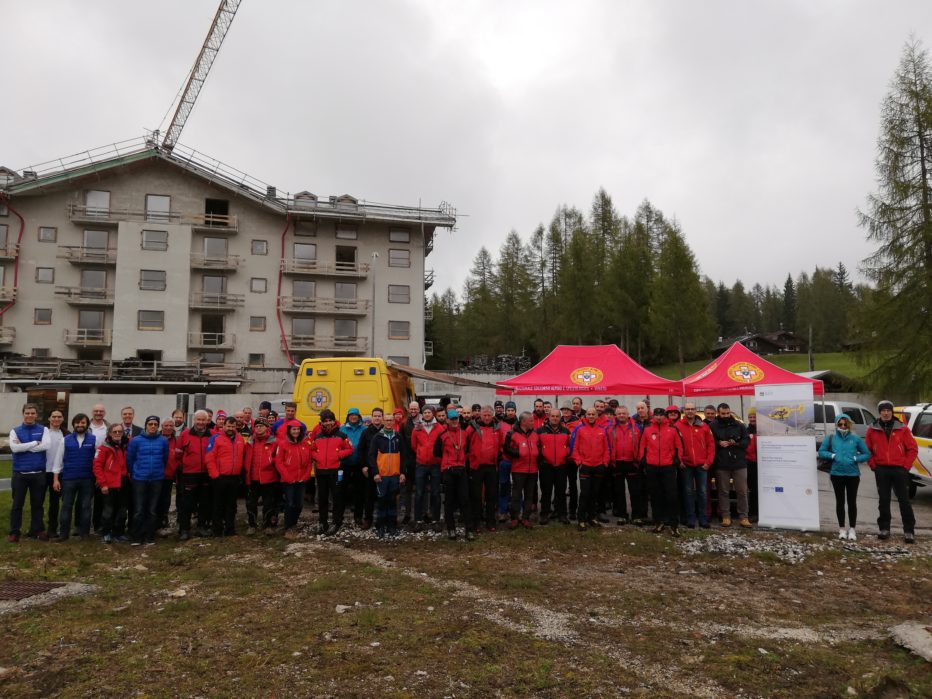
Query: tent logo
x=745, y=372
x=586, y=376
x=318, y=399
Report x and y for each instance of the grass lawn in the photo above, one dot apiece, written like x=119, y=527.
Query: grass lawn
x=6, y=466
x=549, y=612
x=842, y=362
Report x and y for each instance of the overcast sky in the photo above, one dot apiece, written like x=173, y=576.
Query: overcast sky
x=754, y=123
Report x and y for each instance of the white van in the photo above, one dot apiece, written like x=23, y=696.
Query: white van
x=861, y=417
x=918, y=418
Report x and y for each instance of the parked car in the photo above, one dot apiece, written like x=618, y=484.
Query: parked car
x=824, y=422
x=919, y=420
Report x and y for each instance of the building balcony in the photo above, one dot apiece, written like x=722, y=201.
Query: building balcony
x=85, y=296
x=215, y=341
x=316, y=268
x=9, y=251
x=7, y=335
x=323, y=343
x=216, y=302
x=333, y=307
x=428, y=311
x=7, y=294
x=428, y=348
x=89, y=337
x=212, y=223
x=428, y=279
x=229, y=263
x=78, y=255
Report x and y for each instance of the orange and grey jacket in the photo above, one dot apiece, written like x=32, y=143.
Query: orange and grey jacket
x=385, y=453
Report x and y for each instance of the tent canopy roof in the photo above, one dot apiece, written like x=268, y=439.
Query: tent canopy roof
x=580, y=369
x=737, y=371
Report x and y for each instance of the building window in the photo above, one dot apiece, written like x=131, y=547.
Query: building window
x=97, y=203
x=48, y=234
x=260, y=247
x=399, y=359
x=214, y=284
x=41, y=353
x=346, y=233
x=150, y=320
x=42, y=316
x=257, y=324
x=344, y=328
x=399, y=293
x=3, y=210
x=213, y=357
x=256, y=360
x=305, y=252
x=152, y=279
x=158, y=207
x=399, y=330
x=258, y=285
x=344, y=291
x=4, y=231
x=215, y=248
x=302, y=327
x=155, y=240
x=93, y=279
x=303, y=289
x=399, y=258
x=399, y=236
x=45, y=275
x=96, y=240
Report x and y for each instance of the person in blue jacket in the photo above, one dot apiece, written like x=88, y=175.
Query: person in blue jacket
x=353, y=481
x=74, y=478
x=146, y=458
x=28, y=443
x=846, y=451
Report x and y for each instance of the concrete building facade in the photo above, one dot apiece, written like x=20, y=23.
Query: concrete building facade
x=176, y=265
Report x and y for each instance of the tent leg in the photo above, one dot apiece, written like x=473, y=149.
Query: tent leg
x=743, y=416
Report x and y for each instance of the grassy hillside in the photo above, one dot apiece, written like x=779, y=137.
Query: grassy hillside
x=842, y=362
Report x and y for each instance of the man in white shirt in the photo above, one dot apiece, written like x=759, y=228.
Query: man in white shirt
x=28, y=442
x=52, y=457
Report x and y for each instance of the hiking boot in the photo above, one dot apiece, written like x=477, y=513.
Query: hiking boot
x=418, y=528
x=884, y=534
x=597, y=523
x=658, y=528
x=622, y=521
x=334, y=528
x=106, y=539
x=13, y=539
x=513, y=524
x=322, y=529
x=121, y=539
x=726, y=521
x=674, y=531
x=366, y=524
x=251, y=531
x=203, y=532
x=746, y=523
x=380, y=532
x=526, y=523
x=909, y=537
x=470, y=535
x=582, y=526
x=291, y=534
x=564, y=520
x=135, y=542
x=42, y=536
x=705, y=525
x=451, y=535
x=544, y=519
x=602, y=519
x=438, y=528
x=184, y=535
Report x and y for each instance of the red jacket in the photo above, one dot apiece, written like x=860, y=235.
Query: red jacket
x=899, y=449
x=226, y=456
x=293, y=460
x=539, y=420
x=554, y=444
x=590, y=445
x=110, y=466
x=451, y=448
x=698, y=443
x=260, y=461
x=661, y=445
x=523, y=449
x=191, y=451
x=328, y=449
x=485, y=444
x=422, y=444
x=750, y=454
x=624, y=439
x=171, y=466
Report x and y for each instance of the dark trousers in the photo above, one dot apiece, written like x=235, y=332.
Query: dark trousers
x=330, y=487
x=54, y=504
x=253, y=496
x=752, y=490
x=294, y=503
x=407, y=490
x=590, y=477
x=225, y=492
x=606, y=494
x=619, y=475
x=661, y=481
x=271, y=501
x=456, y=495
x=552, y=490
x=572, y=485
x=483, y=495
x=523, y=487
x=356, y=491
x=427, y=491
x=34, y=485
x=895, y=478
x=846, y=487
x=165, y=501
x=145, y=516
x=192, y=499
x=504, y=486
x=77, y=496
x=113, y=517
x=370, y=497
x=98, y=509
x=387, y=491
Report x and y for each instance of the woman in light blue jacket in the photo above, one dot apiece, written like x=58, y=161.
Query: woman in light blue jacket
x=846, y=451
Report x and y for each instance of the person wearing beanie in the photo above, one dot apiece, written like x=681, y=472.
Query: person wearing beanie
x=450, y=448
x=426, y=470
x=498, y=408
x=893, y=451
x=226, y=463
x=376, y=419
x=329, y=449
x=146, y=459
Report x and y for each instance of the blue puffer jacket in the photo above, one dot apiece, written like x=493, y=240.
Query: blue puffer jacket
x=146, y=457
x=78, y=461
x=845, y=451
x=353, y=433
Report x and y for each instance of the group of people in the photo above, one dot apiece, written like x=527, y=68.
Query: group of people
x=482, y=467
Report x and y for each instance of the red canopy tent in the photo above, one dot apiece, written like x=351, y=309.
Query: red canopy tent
x=737, y=371
x=581, y=369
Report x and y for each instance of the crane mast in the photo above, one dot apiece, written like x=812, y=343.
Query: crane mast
x=205, y=59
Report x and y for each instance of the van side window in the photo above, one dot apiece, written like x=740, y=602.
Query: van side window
x=854, y=414
x=829, y=413
x=923, y=426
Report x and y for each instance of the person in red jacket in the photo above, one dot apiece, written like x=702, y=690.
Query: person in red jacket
x=554, y=440
x=893, y=451
x=110, y=473
x=484, y=446
x=591, y=451
x=521, y=446
x=451, y=449
x=328, y=448
x=427, y=475
x=505, y=425
x=540, y=415
x=660, y=452
x=571, y=420
x=226, y=462
x=625, y=436
x=193, y=489
x=750, y=455
x=293, y=463
x=698, y=457
x=170, y=477
x=261, y=478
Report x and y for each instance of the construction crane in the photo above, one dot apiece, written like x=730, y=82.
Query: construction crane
x=205, y=59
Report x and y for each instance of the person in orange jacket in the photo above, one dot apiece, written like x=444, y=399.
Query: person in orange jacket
x=226, y=462
x=293, y=463
x=893, y=451
x=110, y=474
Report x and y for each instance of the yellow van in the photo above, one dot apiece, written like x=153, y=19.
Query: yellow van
x=341, y=383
